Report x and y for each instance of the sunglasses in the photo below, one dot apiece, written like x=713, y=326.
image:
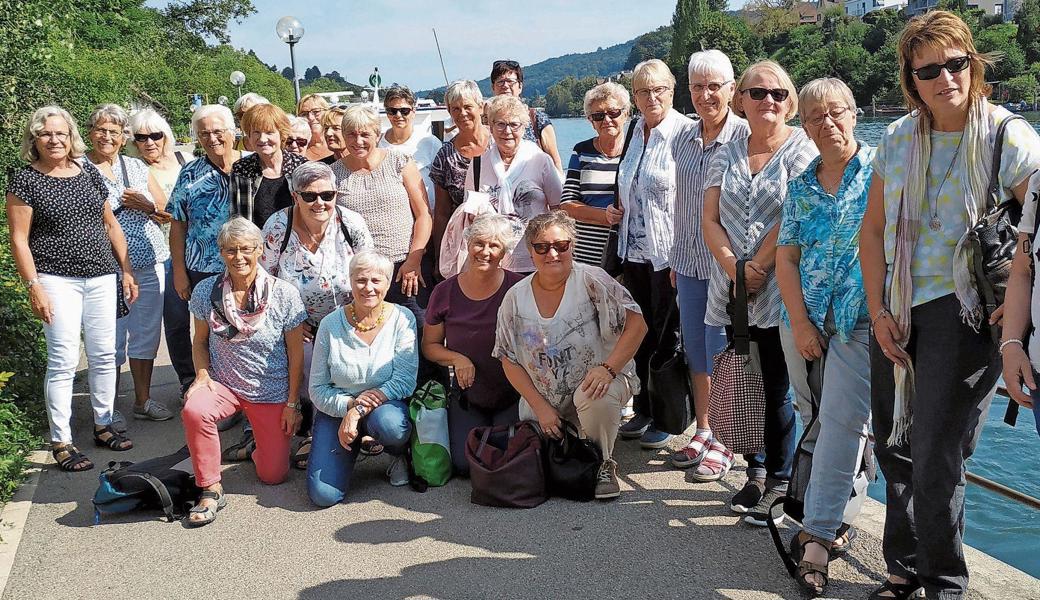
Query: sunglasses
x=757, y=93
x=155, y=136
x=310, y=197
x=599, y=116
x=404, y=111
x=301, y=142
x=543, y=247
x=954, y=65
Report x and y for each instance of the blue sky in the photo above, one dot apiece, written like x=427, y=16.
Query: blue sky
x=351, y=37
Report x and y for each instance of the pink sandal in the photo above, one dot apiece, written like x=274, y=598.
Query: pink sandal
x=693, y=453
x=717, y=462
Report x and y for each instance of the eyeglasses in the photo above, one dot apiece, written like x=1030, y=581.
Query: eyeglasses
x=108, y=133
x=658, y=91
x=502, y=126
x=239, y=250
x=216, y=133
x=954, y=65
x=60, y=136
x=599, y=116
x=836, y=114
x=758, y=93
x=310, y=197
x=560, y=247
x=300, y=142
x=711, y=86
x=403, y=111
x=314, y=114
x=506, y=82
x=155, y=136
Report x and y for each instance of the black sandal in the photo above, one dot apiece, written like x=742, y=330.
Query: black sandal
x=116, y=441
x=303, y=454
x=901, y=591
x=849, y=533
x=209, y=512
x=242, y=451
x=74, y=461
x=806, y=568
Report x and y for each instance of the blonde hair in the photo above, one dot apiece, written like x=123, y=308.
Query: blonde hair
x=653, y=70
x=35, y=125
x=553, y=218
x=333, y=116
x=777, y=71
x=819, y=91
x=607, y=91
x=508, y=107
x=323, y=104
x=358, y=117
x=463, y=89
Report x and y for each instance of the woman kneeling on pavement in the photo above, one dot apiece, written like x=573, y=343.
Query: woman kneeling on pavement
x=364, y=368
x=567, y=336
x=248, y=350
x=822, y=287
x=460, y=333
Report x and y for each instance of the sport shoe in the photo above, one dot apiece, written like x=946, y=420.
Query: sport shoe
x=693, y=453
x=759, y=515
x=398, y=472
x=229, y=422
x=635, y=427
x=748, y=497
x=606, y=481
x=152, y=411
x=716, y=464
x=118, y=422
x=652, y=439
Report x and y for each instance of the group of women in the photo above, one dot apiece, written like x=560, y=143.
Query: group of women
x=304, y=254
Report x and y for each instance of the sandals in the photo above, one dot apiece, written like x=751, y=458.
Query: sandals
x=74, y=461
x=714, y=466
x=209, y=512
x=846, y=535
x=303, y=454
x=900, y=591
x=115, y=440
x=242, y=451
x=807, y=568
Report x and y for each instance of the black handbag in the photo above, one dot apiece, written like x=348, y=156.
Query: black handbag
x=611, y=262
x=572, y=465
x=668, y=382
x=993, y=238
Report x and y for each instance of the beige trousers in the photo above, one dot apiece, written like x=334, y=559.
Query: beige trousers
x=597, y=420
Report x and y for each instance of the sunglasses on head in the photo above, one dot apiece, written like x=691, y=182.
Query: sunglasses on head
x=599, y=116
x=310, y=197
x=758, y=93
x=512, y=65
x=543, y=247
x=404, y=111
x=954, y=65
x=155, y=136
x=300, y=141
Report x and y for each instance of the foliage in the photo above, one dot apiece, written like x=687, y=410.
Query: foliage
x=1020, y=88
x=686, y=29
x=567, y=98
x=209, y=18
x=655, y=44
x=1028, y=34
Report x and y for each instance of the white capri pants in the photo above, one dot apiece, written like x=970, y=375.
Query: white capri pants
x=138, y=333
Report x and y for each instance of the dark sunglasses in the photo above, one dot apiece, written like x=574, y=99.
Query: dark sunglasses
x=512, y=65
x=954, y=65
x=757, y=93
x=155, y=136
x=404, y=111
x=543, y=247
x=310, y=197
x=599, y=116
x=301, y=142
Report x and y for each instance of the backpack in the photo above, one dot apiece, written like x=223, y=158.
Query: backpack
x=430, y=454
x=166, y=483
x=288, y=229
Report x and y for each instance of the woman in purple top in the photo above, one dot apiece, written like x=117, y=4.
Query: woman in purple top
x=460, y=333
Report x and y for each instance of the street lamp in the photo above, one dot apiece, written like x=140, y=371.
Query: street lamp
x=290, y=30
x=237, y=79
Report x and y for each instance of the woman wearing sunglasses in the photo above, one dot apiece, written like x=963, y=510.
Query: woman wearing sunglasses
x=418, y=144
x=310, y=245
x=592, y=170
x=745, y=190
x=566, y=337
x=929, y=187
x=299, y=137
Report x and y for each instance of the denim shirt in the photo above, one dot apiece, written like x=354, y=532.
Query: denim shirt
x=826, y=229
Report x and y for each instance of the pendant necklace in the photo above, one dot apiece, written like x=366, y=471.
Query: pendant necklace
x=935, y=224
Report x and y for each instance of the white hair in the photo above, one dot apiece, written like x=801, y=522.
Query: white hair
x=147, y=119
x=359, y=117
x=300, y=125
x=111, y=113
x=710, y=62
x=492, y=226
x=212, y=110
x=607, y=91
x=239, y=229
x=308, y=173
x=463, y=89
x=370, y=260
x=247, y=101
x=820, y=91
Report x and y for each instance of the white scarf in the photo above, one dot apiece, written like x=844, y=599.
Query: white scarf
x=508, y=178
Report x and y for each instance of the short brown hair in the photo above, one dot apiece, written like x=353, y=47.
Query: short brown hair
x=553, y=218
x=938, y=30
x=267, y=117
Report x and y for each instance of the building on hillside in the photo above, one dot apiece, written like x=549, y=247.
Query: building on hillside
x=808, y=13
x=858, y=8
x=990, y=7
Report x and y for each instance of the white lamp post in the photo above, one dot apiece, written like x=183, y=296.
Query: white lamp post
x=290, y=30
x=238, y=78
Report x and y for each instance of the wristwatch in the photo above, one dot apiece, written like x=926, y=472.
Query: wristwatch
x=361, y=410
x=293, y=405
x=32, y=282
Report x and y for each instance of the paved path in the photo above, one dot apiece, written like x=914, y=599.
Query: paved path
x=664, y=538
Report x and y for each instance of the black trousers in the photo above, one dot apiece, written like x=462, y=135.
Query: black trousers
x=653, y=292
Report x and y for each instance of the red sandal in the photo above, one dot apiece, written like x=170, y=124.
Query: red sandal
x=716, y=464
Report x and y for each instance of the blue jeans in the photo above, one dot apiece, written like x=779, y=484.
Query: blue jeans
x=701, y=342
x=331, y=465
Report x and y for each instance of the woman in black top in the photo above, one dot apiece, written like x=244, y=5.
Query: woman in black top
x=68, y=247
x=259, y=182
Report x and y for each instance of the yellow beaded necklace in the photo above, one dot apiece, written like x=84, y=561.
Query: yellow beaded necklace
x=352, y=314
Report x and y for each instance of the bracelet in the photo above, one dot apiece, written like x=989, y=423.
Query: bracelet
x=881, y=314
x=613, y=373
x=32, y=282
x=1007, y=343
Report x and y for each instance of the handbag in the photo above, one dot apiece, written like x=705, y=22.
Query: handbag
x=431, y=457
x=993, y=238
x=737, y=402
x=668, y=383
x=505, y=466
x=572, y=465
x=611, y=262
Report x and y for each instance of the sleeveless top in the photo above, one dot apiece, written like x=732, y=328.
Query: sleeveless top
x=382, y=201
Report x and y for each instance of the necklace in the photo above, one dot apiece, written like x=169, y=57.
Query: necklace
x=538, y=280
x=357, y=322
x=596, y=145
x=935, y=223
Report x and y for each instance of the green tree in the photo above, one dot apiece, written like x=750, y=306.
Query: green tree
x=558, y=99
x=1028, y=35
x=655, y=44
x=1001, y=38
x=209, y=18
x=686, y=26
x=1022, y=87
x=722, y=32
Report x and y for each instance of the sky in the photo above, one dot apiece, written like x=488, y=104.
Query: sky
x=351, y=36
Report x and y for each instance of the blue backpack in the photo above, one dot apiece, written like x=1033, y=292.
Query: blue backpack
x=166, y=483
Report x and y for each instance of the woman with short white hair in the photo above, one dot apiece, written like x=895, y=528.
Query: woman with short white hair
x=519, y=178
x=299, y=138
x=459, y=333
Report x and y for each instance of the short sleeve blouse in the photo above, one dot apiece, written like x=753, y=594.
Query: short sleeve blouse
x=382, y=201
x=448, y=172
x=145, y=241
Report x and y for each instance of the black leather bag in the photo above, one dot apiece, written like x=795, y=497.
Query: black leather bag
x=668, y=382
x=572, y=465
x=611, y=262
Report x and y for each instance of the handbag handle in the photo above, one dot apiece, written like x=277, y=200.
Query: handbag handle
x=484, y=440
x=739, y=318
x=994, y=172
x=667, y=327
x=567, y=428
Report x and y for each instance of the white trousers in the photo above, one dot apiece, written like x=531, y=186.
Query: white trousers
x=143, y=325
x=87, y=305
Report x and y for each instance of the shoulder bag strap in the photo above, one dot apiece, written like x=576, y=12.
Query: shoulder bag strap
x=617, y=173
x=288, y=229
x=180, y=158
x=476, y=173
x=343, y=228
x=126, y=184
x=994, y=172
x=741, y=330
x=160, y=490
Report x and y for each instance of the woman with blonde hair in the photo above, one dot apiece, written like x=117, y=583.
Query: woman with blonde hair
x=929, y=188
x=313, y=108
x=332, y=131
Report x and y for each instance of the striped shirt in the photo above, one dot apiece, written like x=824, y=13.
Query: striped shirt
x=690, y=256
x=749, y=208
x=590, y=181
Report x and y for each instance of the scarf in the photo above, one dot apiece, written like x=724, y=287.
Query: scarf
x=975, y=162
x=508, y=179
x=226, y=319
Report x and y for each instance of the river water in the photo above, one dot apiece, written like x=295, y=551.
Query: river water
x=1011, y=456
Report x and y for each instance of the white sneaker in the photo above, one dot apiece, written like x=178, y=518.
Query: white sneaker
x=152, y=411
x=398, y=472
x=118, y=422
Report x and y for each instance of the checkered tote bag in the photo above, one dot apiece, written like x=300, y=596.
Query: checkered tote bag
x=737, y=403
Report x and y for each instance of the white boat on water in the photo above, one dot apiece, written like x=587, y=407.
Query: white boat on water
x=427, y=112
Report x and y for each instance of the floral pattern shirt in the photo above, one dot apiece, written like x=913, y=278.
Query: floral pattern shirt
x=202, y=200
